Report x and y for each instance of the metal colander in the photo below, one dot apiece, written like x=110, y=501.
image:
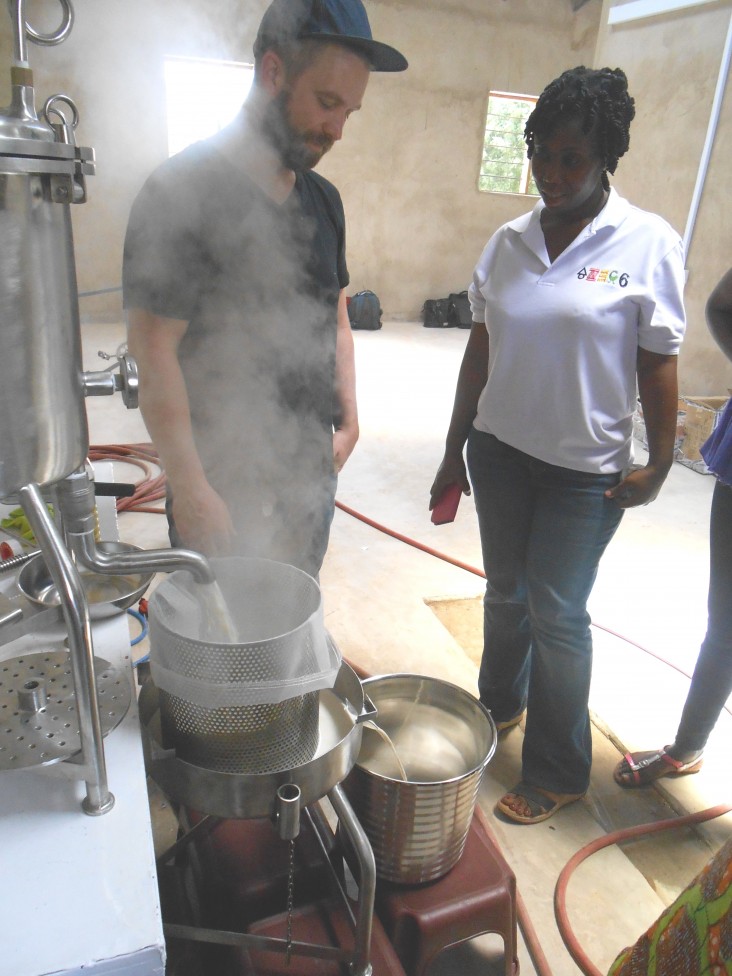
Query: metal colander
x=249, y=704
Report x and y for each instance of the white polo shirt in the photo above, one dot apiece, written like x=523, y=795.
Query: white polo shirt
x=564, y=337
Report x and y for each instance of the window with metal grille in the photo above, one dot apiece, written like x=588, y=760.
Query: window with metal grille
x=504, y=167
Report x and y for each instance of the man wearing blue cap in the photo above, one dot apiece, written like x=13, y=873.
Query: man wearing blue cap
x=234, y=281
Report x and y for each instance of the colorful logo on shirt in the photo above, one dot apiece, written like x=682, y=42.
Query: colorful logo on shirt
x=604, y=276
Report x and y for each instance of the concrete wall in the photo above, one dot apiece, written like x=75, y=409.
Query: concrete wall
x=672, y=62
x=408, y=166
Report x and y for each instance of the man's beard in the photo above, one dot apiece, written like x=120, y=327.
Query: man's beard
x=297, y=150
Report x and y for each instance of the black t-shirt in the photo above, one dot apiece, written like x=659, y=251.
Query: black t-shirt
x=258, y=284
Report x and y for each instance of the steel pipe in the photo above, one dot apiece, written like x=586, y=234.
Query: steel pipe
x=75, y=609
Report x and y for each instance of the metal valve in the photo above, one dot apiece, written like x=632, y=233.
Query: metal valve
x=105, y=382
x=127, y=381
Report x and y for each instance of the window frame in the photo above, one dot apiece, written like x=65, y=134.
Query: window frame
x=526, y=187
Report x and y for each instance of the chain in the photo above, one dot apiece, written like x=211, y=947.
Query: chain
x=290, y=900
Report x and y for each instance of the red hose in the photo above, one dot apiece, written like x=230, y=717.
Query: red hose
x=541, y=963
x=560, y=892
x=145, y=457
x=479, y=572
x=152, y=488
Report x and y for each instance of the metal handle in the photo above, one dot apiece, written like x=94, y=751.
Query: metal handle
x=22, y=30
x=61, y=32
x=64, y=129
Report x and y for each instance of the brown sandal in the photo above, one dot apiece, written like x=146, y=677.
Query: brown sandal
x=541, y=804
x=643, y=768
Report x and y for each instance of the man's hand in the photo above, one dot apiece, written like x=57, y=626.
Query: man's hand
x=202, y=520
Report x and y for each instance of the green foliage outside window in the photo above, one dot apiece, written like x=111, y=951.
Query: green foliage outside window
x=504, y=167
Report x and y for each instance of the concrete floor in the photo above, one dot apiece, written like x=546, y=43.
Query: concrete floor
x=378, y=591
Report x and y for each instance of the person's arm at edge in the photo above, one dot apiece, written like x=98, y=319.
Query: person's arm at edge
x=346, y=430
x=471, y=380
x=658, y=390
x=202, y=519
x=719, y=314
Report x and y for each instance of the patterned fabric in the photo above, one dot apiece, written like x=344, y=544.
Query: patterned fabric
x=693, y=937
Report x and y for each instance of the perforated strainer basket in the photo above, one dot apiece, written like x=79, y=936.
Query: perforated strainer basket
x=245, y=701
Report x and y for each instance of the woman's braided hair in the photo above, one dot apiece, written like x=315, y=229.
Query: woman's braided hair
x=599, y=99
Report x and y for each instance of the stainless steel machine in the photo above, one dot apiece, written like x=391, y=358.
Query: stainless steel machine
x=54, y=694
x=43, y=433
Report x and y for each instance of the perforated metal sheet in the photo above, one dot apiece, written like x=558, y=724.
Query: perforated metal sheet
x=277, y=615
x=51, y=733
x=242, y=739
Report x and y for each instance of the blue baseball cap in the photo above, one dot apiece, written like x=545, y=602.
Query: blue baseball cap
x=339, y=21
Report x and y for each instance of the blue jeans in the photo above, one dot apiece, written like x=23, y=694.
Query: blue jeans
x=711, y=683
x=543, y=530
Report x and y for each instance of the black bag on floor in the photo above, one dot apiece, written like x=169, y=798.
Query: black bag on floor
x=458, y=310
x=434, y=313
x=364, y=311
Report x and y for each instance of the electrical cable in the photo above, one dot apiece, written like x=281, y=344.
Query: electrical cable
x=141, y=619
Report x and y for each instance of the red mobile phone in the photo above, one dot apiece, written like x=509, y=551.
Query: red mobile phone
x=446, y=505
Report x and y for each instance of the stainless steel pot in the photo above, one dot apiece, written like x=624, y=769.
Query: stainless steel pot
x=417, y=815
x=106, y=594
x=342, y=712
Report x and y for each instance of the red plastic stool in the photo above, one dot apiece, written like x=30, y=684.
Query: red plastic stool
x=324, y=923
x=478, y=895
x=245, y=867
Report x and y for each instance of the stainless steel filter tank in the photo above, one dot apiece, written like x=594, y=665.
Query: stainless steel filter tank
x=44, y=434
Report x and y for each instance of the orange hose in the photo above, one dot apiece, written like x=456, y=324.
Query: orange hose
x=560, y=892
x=153, y=488
x=144, y=456
x=479, y=572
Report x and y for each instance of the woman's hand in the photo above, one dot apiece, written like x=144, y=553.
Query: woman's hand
x=451, y=472
x=639, y=487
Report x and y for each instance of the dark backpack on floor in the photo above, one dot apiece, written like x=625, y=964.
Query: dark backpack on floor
x=458, y=310
x=364, y=311
x=434, y=313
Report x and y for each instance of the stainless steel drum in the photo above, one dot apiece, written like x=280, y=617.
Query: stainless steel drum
x=44, y=434
x=342, y=711
x=416, y=779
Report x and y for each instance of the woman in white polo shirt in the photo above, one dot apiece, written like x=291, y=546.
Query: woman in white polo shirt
x=575, y=306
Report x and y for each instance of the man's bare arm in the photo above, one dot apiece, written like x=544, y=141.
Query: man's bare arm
x=202, y=519
x=346, y=422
